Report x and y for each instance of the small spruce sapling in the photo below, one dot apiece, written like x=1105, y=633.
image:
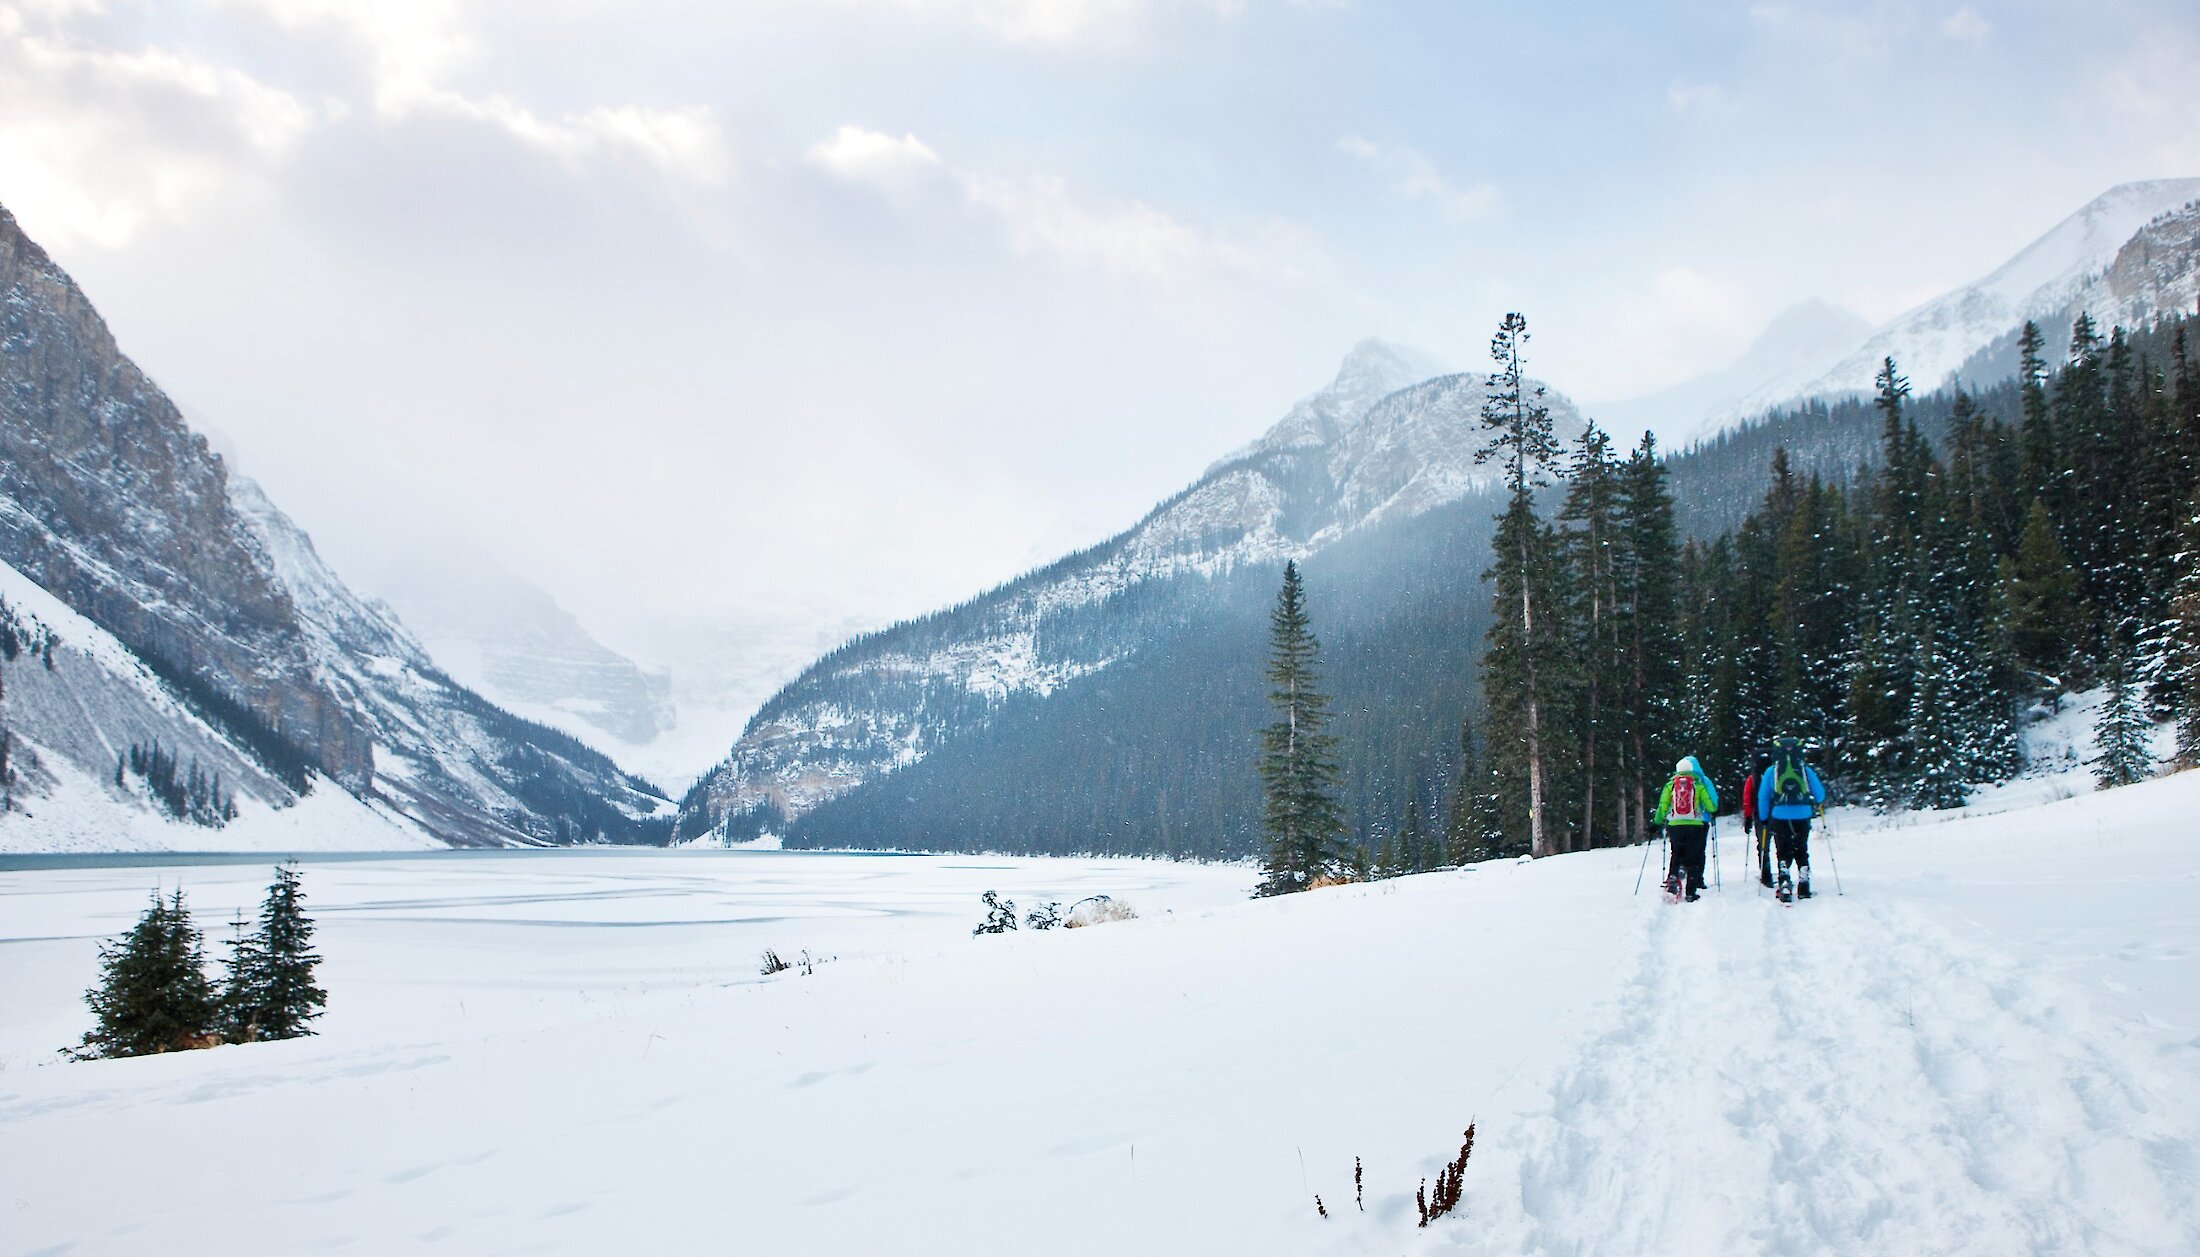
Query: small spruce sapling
x=2122, y=731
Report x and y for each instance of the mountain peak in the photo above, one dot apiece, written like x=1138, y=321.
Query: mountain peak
x=1373, y=370
x=1376, y=368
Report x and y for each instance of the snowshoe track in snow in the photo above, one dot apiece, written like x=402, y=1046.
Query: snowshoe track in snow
x=1846, y=1077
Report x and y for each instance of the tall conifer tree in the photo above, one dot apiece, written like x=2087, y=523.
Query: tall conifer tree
x=1525, y=645
x=1298, y=766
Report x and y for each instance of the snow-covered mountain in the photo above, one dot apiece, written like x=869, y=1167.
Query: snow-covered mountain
x=74, y=702
x=1379, y=443
x=2131, y=254
x=1796, y=346
x=111, y=504
x=2063, y=270
x=507, y=637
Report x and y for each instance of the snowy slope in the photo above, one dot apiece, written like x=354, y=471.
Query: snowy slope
x=69, y=722
x=506, y=637
x=1798, y=345
x=1990, y=1044
x=443, y=756
x=1373, y=447
x=2042, y=282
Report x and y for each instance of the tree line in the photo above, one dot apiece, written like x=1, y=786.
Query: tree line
x=1906, y=618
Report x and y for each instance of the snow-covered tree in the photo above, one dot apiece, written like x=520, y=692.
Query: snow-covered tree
x=269, y=991
x=1298, y=765
x=2121, y=732
x=153, y=994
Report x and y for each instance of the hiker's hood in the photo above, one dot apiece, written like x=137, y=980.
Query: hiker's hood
x=1688, y=764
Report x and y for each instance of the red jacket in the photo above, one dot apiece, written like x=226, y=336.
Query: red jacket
x=1749, y=799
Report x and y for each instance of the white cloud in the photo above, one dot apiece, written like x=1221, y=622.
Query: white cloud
x=1843, y=38
x=1966, y=26
x=97, y=143
x=1055, y=22
x=684, y=144
x=1707, y=100
x=1131, y=241
x=1414, y=176
x=875, y=158
x=414, y=48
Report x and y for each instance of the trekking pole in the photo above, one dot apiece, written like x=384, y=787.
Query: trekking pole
x=1717, y=883
x=1645, y=865
x=1833, y=859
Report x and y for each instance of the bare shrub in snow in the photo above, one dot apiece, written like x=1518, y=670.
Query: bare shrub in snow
x=1044, y=917
x=772, y=963
x=1448, y=1184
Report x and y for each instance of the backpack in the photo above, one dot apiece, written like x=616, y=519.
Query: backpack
x=1790, y=781
x=1684, y=800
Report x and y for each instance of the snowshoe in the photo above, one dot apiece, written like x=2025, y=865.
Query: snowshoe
x=1786, y=890
x=1802, y=890
x=1672, y=890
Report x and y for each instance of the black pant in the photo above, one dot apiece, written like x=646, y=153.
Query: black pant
x=1791, y=839
x=1686, y=842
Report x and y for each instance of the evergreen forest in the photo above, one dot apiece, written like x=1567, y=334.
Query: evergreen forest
x=1902, y=580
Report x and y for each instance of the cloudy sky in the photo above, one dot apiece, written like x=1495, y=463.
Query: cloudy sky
x=852, y=307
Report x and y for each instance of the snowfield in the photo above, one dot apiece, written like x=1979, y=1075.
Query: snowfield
x=1989, y=1045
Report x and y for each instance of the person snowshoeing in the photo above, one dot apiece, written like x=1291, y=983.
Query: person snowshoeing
x=1789, y=794
x=1685, y=808
x=1750, y=825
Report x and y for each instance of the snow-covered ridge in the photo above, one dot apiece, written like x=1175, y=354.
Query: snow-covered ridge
x=2056, y=272
x=114, y=506
x=70, y=722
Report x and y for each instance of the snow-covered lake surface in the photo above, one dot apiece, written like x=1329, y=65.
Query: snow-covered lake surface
x=1989, y=1045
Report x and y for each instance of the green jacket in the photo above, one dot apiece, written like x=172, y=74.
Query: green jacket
x=1707, y=801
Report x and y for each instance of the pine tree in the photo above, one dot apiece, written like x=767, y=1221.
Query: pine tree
x=2040, y=461
x=1593, y=545
x=1523, y=651
x=1470, y=832
x=153, y=994
x=270, y=992
x=1647, y=578
x=2039, y=603
x=2184, y=642
x=2122, y=733
x=1298, y=768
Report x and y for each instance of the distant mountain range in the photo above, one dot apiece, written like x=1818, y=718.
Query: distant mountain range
x=2128, y=254
x=193, y=614
x=901, y=736
x=1102, y=702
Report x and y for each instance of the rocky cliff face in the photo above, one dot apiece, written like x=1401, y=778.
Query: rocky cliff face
x=109, y=500
x=1381, y=442
x=110, y=503
x=2157, y=270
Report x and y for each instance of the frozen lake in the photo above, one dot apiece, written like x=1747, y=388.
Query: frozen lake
x=413, y=943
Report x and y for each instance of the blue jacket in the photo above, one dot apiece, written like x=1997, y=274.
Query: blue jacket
x=1768, y=810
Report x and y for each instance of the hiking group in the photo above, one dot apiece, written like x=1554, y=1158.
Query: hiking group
x=1780, y=797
